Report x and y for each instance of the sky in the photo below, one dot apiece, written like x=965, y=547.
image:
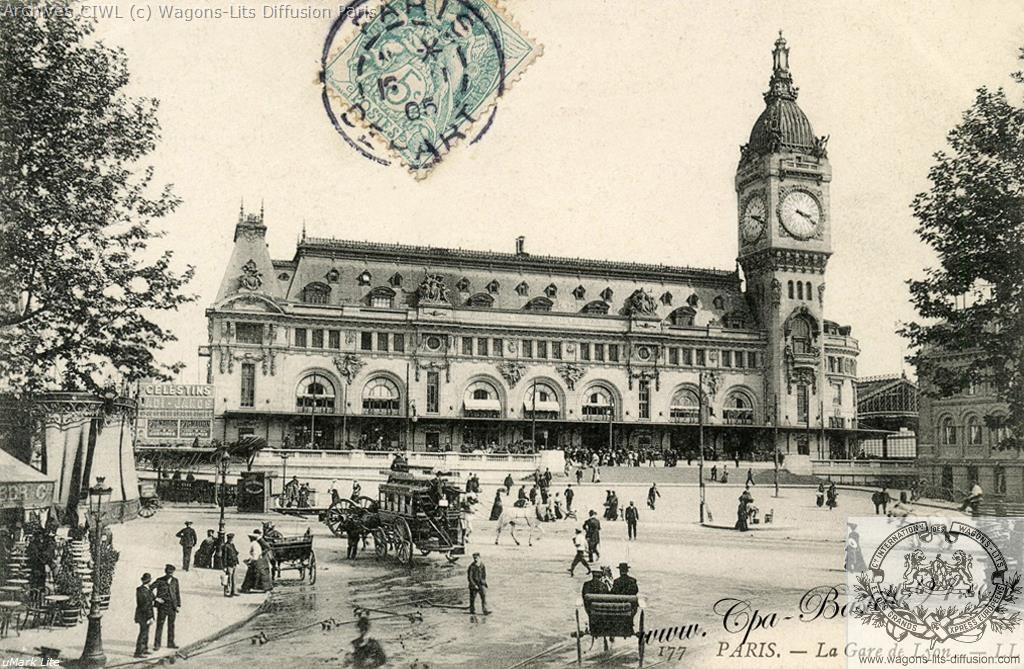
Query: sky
x=620, y=142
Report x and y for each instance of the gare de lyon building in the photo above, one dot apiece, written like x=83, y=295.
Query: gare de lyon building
x=383, y=346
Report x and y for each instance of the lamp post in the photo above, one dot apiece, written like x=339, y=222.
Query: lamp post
x=92, y=654
x=222, y=469
x=533, y=418
x=700, y=440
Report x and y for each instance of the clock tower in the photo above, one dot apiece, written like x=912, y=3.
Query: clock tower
x=782, y=184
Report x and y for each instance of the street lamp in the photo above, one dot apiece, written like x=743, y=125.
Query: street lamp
x=92, y=654
x=222, y=469
x=700, y=441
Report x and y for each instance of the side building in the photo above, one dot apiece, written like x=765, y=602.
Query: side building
x=382, y=346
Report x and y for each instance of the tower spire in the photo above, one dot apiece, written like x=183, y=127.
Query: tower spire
x=781, y=83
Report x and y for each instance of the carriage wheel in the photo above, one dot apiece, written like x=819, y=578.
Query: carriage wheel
x=335, y=516
x=579, y=641
x=404, y=553
x=404, y=539
x=147, y=511
x=642, y=641
x=312, y=577
x=424, y=552
x=380, y=543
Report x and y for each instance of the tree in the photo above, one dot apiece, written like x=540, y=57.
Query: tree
x=79, y=280
x=973, y=217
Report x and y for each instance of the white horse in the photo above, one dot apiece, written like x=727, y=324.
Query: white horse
x=514, y=515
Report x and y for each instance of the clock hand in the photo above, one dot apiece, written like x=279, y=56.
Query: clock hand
x=807, y=216
x=759, y=219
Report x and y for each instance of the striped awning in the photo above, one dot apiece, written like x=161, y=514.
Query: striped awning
x=22, y=487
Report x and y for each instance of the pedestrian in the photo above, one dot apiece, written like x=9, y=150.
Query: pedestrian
x=579, y=475
x=714, y=472
x=469, y=482
x=509, y=482
x=367, y=653
x=188, y=540
x=592, y=528
x=533, y=493
x=168, y=603
x=743, y=510
x=477, y=575
x=357, y=490
x=750, y=473
x=597, y=475
x=632, y=515
x=652, y=495
x=143, y=615
x=204, y=554
x=973, y=499
x=737, y=456
x=820, y=497
x=229, y=560
x=831, y=497
x=569, y=494
x=522, y=493
x=881, y=500
x=580, y=542
x=253, y=580
x=496, y=507
x=854, y=557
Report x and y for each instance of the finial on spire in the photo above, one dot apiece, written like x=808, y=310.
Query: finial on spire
x=303, y=229
x=261, y=210
x=241, y=209
x=781, y=83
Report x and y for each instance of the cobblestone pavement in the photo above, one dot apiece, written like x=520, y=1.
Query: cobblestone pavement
x=682, y=568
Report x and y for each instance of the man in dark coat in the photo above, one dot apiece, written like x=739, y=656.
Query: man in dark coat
x=229, y=559
x=632, y=516
x=625, y=584
x=366, y=652
x=204, y=554
x=569, y=494
x=143, y=615
x=188, y=540
x=477, y=575
x=592, y=528
x=168, y=603
x=595, y=586
x=509, y=482
x=652, y=495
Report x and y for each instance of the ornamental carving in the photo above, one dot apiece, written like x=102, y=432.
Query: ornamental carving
x=348, y=365
x=820, y=149
x=432, y=290
x=432, y=365
x=511, y=371
x=821, y=294
x=641, y=303
x=786, y=260
x=250, y=278
x=776, y=292
x=710, y=382
x=571, y=374
x=645, y=375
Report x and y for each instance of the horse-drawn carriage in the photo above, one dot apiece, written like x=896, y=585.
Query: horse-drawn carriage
x=291, y=552
x=344, y=512
x=610, y=617
x=416, y=512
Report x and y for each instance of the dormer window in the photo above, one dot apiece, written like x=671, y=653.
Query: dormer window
x=607, y=294
x=693, y=300
x=666, y=298
x=480, y=301
x=523, y=288
x=381, y=297
x=395, y=280
x=683, y=316
x=462, y=285
x=493, y=287
x=364, y=278
x=595, y=307
x=539, y=304
x=718, y=303
x=551, y=290
x=316, y=293
x=579, y=292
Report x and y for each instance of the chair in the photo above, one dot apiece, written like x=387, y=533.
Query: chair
x=36, y=610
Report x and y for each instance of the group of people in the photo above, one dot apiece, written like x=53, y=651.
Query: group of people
x=295, y=494
x=746, y=512
x=723, y=476
x=162, y=596
x=827, y=496
x=601, y=583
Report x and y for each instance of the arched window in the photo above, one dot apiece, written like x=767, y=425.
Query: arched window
x=539, y=304
x=685, y=406
x=807, y=290
x=316, y=293
x=998, y=431
x=683, y=316
x=541, y=401
x=738, y=409
x=381, y=397
x=595, y=307
x=597, y=403
x=789, y=286
x=947, y=432
x=315, y=394
x=381, y=297
x=799, y=290
x=482, y=400
x=480, y=301
x=801, y=335
x=973, y=431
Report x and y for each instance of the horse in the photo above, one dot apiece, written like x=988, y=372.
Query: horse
x=512, y=515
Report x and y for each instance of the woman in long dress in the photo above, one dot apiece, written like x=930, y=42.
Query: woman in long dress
x=821, y=495
x=613, y=506
x=496, y=506
x=743, y=512
x=854, y=557
x=832, y=496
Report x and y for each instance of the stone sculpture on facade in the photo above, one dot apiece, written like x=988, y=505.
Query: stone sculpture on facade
x=511, y=371
x=250, y=278
x=571, y=374
x=348, y=365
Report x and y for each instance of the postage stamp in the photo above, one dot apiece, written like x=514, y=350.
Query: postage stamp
x=933, y=588
x=411, y=79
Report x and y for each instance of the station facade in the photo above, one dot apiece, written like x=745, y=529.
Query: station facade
x=381, y=346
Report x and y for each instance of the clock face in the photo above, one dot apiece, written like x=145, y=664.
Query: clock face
x=754, y=218
x=800, y=214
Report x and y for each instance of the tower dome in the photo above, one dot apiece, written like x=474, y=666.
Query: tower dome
x=782, y=126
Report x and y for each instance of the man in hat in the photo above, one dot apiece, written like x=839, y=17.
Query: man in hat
x=229, y=559
x=188, y=540
x=366, y=652
x=624, y=584
x=168, y=603
x=509, y=482
x=592, y=528
x=204, y=554
x=580, y=542
x=632, y=515
x=595, y=586
x=477, y=575
x=143, y=615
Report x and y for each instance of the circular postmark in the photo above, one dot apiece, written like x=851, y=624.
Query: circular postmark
x=408, y=79
x=937, y=583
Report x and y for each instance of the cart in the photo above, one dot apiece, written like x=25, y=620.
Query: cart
x=149, y=502
x=417, y=513
x=341, y=514
x=610, y=616
x=294, y=552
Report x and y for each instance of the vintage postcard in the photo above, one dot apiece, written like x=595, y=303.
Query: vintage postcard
x=511, y=334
